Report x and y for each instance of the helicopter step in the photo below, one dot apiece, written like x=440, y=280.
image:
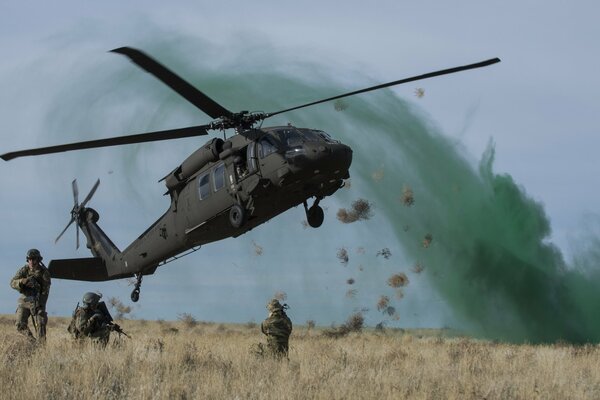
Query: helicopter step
x=314, y=214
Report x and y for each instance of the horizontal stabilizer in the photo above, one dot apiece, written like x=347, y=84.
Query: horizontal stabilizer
x=80, y=269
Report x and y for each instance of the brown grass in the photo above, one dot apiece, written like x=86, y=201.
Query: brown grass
x=215, y=364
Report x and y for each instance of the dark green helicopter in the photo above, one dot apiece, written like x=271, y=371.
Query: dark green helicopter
x=223, y=189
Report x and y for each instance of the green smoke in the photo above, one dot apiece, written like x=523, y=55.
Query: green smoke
x=489, y=258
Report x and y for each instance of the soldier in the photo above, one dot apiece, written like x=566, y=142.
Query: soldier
x=92, y=320
x=33, y=282
x=278, y=328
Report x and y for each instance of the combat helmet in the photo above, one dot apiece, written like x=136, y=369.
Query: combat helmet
x=274, y=305
x=91, y=299
x=34, y=254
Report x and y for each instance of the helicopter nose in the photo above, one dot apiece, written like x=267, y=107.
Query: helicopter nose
x=328, y=157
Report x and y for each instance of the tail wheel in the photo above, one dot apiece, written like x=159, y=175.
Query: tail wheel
x=315, y=216
x=237, y=216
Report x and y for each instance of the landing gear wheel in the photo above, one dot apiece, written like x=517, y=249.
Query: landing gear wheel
x=237, y=216
x=135, y=295
x=315, y=216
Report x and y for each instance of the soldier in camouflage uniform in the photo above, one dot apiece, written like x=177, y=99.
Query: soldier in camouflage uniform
x=92, y=320
x=277, y=327
x=33, y=282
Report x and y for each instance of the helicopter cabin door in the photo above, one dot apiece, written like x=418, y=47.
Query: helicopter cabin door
x=212, y=192
x=266, y=159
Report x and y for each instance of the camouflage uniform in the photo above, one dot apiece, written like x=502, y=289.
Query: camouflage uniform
x=92, y=320
x=33, y=282
x=278, y=328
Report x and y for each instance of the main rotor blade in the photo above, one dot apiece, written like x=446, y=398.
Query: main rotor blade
x=90, y=194
x=175, y=82
x=64, y=230
x=114, y=141
x=398, y=82
x=75, y=193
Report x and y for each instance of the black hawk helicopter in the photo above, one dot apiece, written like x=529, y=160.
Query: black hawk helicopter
x=223, y=189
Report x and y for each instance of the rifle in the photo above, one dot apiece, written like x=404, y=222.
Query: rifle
x=115, y=327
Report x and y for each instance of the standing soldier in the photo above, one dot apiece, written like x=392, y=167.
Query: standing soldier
x=33, y=282
x=278, y=328
x=92, y=320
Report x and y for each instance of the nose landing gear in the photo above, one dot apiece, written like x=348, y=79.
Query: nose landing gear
x=314, y=214
x=135, y=295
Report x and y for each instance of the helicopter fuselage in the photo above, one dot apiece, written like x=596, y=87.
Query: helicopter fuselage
x=222, y=190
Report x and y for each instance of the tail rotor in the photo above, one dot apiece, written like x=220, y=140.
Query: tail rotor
x=77, y=209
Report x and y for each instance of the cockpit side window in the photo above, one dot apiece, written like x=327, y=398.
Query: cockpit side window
x=266, y=147
x=204, y=186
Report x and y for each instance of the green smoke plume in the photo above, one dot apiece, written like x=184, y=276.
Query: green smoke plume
x=489, y=257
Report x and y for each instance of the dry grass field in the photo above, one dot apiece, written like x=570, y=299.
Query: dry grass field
x=189, y=360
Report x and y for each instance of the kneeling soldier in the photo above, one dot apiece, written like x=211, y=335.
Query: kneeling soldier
x=92, y=320
x=278, y=328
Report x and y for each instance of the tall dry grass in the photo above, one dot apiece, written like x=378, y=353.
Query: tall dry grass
x=172, y=360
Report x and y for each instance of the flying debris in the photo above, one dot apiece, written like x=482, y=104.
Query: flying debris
x=418, y=268
x=258, y=250
x=361, y=210
x=280, y=295
x=350, y=281
x=385, y=252
x=378, y=174
x=399, y=294
x=340, y=105
x=360, y=250
x=383, y=303
x=351, y=293
x=419, y=92
x=408, y=197
x=398, y=280
x=342, y=255
x=390, y=310
x=427, y=240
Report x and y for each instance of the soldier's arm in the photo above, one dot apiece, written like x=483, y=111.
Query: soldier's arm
x=17, y=280
x=84, y=324
x=264, y=327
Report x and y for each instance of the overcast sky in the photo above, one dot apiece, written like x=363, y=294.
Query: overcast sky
x=539, y=106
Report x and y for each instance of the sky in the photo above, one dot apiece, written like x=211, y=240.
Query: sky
x=528, y=123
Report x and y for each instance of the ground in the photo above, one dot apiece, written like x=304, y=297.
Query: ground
x=188, y=359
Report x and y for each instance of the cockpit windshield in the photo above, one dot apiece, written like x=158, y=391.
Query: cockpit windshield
x=294, y=137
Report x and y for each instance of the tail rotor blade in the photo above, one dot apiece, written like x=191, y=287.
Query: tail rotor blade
x=64, y=230
x=75, y=193
x=90, y=194
x=77, y=237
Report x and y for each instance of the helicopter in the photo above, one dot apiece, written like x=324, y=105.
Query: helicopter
x=223, y=189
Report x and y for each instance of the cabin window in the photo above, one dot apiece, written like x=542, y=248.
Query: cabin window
x=204, y=187
x=219, y=176
x=266, y=147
